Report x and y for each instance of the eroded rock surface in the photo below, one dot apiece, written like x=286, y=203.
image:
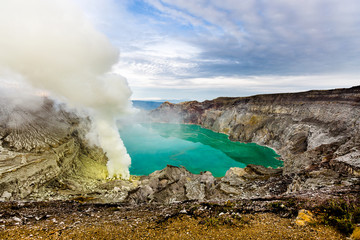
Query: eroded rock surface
x=41, y=145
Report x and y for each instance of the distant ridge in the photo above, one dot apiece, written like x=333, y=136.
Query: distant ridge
x=146, y=105
x=150, y=105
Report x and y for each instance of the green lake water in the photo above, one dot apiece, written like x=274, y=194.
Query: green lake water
x=153, y=146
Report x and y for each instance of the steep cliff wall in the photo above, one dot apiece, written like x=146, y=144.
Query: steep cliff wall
x=37, y=146
x=307, y=129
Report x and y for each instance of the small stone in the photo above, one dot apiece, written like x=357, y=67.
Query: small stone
x=16, y=219
x=356, y=234
x=235, y=171
x=304, y=217
x=6, y=195
x=183, y=211
x=117, y=189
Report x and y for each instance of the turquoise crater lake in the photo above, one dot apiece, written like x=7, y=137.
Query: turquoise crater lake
x=153, y=146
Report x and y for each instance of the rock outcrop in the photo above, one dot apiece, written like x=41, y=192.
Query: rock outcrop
x=174, y=184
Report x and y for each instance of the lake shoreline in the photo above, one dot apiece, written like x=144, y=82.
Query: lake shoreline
x=191, y=146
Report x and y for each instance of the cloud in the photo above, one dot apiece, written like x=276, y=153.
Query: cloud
x=171, y=42
x=273, y=36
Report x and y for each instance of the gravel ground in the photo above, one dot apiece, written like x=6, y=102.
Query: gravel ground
x=71, y=220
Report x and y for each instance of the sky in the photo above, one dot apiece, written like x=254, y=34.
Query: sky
x=203, y=49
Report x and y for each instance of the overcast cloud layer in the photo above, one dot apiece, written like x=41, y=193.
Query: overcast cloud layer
x=202, y=49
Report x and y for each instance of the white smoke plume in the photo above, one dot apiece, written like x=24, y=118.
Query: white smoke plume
x=53, y=47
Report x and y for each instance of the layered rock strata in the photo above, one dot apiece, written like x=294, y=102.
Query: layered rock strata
x=38, y=146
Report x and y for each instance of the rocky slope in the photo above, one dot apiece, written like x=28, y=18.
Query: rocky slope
x=38, y=146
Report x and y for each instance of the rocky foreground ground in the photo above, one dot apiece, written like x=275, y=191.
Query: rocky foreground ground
x=191, y=220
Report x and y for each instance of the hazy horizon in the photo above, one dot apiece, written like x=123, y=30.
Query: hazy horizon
x=201, y=100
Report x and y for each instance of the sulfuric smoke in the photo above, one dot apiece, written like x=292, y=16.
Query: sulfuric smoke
x=51, y=45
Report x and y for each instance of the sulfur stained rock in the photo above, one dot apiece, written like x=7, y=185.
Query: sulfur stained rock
x=304, y=217
x=235, y=172
x=356, y=234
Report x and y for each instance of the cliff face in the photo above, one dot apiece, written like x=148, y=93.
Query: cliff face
x=38, y=146
x=309, y=130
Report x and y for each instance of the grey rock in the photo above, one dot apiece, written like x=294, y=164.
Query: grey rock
x=172, y=184
x=195, y=190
